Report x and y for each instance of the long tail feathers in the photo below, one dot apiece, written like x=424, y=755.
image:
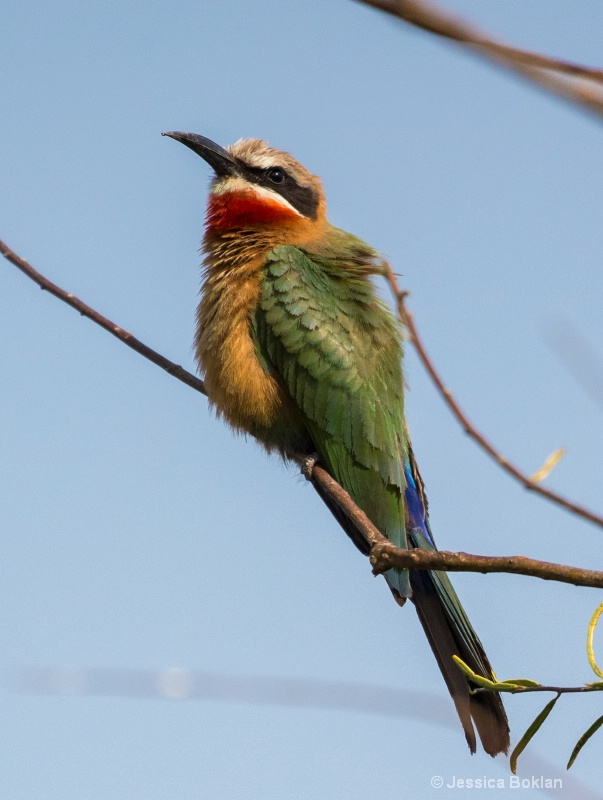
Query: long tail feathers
x=449, y=631
x=444, y=621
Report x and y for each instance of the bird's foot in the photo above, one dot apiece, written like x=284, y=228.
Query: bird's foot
x=307, y=465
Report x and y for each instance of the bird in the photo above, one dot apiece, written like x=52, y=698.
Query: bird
x=297, y=349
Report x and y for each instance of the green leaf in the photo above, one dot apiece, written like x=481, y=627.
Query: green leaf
x=583, y=740
x=493, y=686
x=590, y=651
x=526, y=683
x=529, y=734
x=474, y=677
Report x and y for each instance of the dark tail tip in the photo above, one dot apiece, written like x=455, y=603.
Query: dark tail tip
x=449, y=633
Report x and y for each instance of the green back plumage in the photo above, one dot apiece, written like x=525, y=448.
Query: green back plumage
x=337, y=349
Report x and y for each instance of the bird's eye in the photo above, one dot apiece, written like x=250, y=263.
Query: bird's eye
x=276, y=175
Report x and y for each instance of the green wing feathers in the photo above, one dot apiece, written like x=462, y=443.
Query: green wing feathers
x=337, y=348
x=325, y=335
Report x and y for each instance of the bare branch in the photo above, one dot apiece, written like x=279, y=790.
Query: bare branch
x=571, y=81
x=384, y=556
x=464, y=421
x=87, y=311
x=588, y=687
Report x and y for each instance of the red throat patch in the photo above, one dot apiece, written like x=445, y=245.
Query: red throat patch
x=244, y=209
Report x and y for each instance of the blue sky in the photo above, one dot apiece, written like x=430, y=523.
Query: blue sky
x=139, y=533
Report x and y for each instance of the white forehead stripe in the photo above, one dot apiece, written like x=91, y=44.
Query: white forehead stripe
x=261, y=161
x=254, y=156
x=239, y=185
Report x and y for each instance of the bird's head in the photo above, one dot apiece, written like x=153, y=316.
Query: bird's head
x=256, y=186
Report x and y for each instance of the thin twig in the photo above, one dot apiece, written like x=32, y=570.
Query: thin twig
x=464, y=421
x=571, y=81
x=87, y=311
x=540, y=688
x=588, y=687
x=383, y=554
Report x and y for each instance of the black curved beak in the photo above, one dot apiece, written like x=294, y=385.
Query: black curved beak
x=217, y=157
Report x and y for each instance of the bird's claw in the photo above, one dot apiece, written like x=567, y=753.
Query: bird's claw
x=308, y=465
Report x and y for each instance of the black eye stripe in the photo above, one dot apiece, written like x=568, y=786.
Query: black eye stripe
x=302, y=197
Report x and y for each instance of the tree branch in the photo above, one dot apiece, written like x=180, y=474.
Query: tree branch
x=588, y=687
x=383, y=554
x=87, y=311
x=563, y=78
